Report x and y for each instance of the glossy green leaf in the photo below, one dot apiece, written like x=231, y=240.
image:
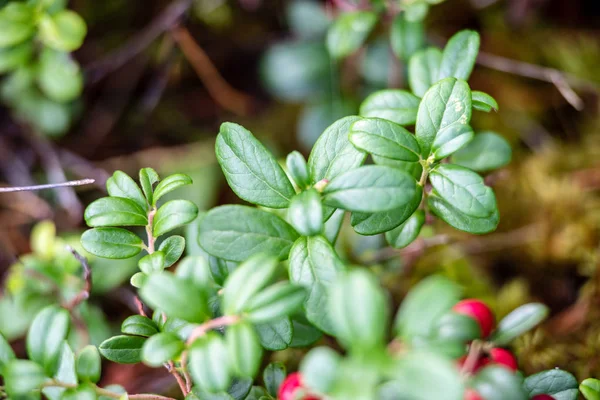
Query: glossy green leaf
x=273, y=376
x=298, y=169
x=245, y=351
x=371, y=188
x=18, y=24
x=394, y=105
x=315, y=265
x=413, y=169
x=275, y=302
x=59, y=76
x=63, y=31
x=111, y=242
x=407, y=232
x=22, y=376
x=236, y=232
x=115, y=211
x=457, y=219
x=319, y=368
x=123, y=349
x=161, y=348
x=121, y=185
x=220, y=269
x=250, y=169
x=349, y=31
x=14, y=57
x=175, y=297
x=423, y=70
x=518, y=322
x=487, y=151
x=138, y=279
x=6, y=352
x=46, y=335
x=152, y=262
x=483, y=101
x=557, y=383
x=139, y=325
x=459, y=55
x=65, y=373
x=304, y=333
x=148, y=177
x=275, y=335
x=406, y=37
x=456, y=327
x=450, y=140
x=306, y=213
x=333, y=154
x=173, y=214
x=195, y=269
x=499, y=383
x=590, y=389
x=173, y=248
x=89, y=364
x=443, y=112
x=168, y=184
x=210, y=365
x=384, y=138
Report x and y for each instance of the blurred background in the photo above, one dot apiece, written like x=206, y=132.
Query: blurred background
x=161, y=76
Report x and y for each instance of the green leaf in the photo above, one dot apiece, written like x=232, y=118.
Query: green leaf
x=148, y=177
x=139, y=325
x=220, y=269
x=459, y=220
x=487, y=151
x=236, y=232
x=451, y=140
x=406, y=37
x=250, y=169
x=415, y=11
x=315, y=265
x=22, y=376
x=460, y=55
x=319, y=369
x=275, y=335
x=15, y=57
x=245, y=351
x=138, y=279
x=483, y=101
x=304, y=333
x=333, y=225
x=89, y=364
x=82, y=392
x=413, y=169
x=246, y=281
x=121, y=185
x=518, y=322
x=384, y=138
x=443, y=113
x=169, y=184
x=210, y=364
x=499, y=383
x=257, y=393
x=123, y=349
x=111, y=242
x=359, y=311
x=63, y=31
x=464, y=189
x=333, y=154
x=18, y=24
x=46, y=335
x=424, y=305
x=65, y=373
x=423, y=70
x=173, y=214
x=371, y=188
x=349, y=31
x=6, y=352
x=298, y=169
x=407, y=232
x=175, y=297
x=306, y=213
x=195, y=269
x=557, y=383
x=456, y=327
x=59, y=76
x=394, y=105
x=275, y=302
x=307, y=19
x=115, y=211
x=173, y=248
x=152, y=262
x=161, y=348
x=590, y=388
x=273, y=376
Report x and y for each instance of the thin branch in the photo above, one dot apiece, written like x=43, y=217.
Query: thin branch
x=227, y=97
x=472, y=358
x=183, y=385
x=140, y=306
x=84, y=294
x=46, y=186
x=212, y=324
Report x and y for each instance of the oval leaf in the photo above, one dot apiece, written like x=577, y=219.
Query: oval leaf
x=349, y=31
x=173, y=214
x=423, y=70
x=460, y=55
x=487, y=151
x=384, y=138
x=111, y=242
x=394, y=105
x=123, y=349
x=115, y=211
x=161, y=348
x=121, y=185
x=407, y=232
x=306, y=213
x=519, y=321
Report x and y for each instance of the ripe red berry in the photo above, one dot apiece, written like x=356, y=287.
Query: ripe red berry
x=542, y=397
x=470, y=394
x=291, y=384
x=480, y=312
x=504, y=358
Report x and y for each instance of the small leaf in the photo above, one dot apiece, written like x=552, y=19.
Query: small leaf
x=88, y=364
x=152, y=262
x=483, y=101
x=148, y=177
x=319, y=368
x=371, y=188
x=138, y=279
x=21, y=377
x=121, y=185
x=460, y=55
x=46, y=335
x=169, y=184
x=82, y=392
x=195, y=269
x=487, y=151
x=457, y=219
x=245, y=351
x=305, y=334
x=275, y=335
x=384, y=138
x=123, y=349
x=139, y=325
x=6, y=352
x=18, y=24
x=498, y=383
x=63, y=31
x=248, y=230
x=518, y=322
x=406, y=37
x=273, y=376
x=220, y=269
x=173, y=248
x=111, y=242
x=275, y=302
x=416, y=11
x=306, y=213
x=456, y=327
x=173, y=214
x=298, y=169
x=451, y=140
x=557, y=383
x=115, y=211
x=65, y=373
x=590, y=388
x=15, y=57
x=423, y=70
x=210, y=364
x=394, y=105
x=161, y=348
x=407, y=232
x=59, y=76
x=348, y=32
x=250, y=169
x=333, y=225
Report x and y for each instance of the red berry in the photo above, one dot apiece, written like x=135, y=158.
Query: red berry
x=480, y=312
x=542, y=397
x=289, y=387
x=504, y=358
x=470, y=394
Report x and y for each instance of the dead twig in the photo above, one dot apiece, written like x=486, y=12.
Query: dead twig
x=84, y=294
x=46, y=186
